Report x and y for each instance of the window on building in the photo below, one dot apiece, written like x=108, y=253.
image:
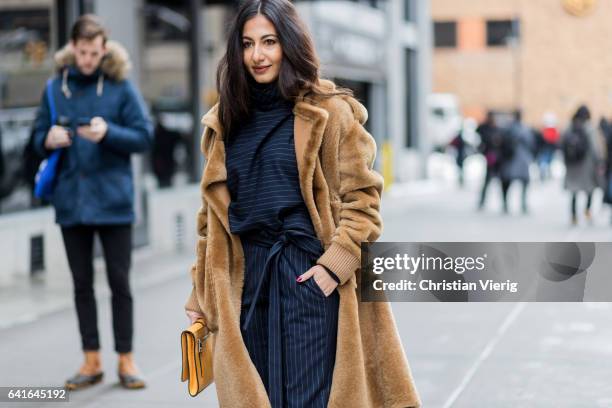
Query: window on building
x=409, y=10
x=370, y=3
x=445, y=34
x=411, y=96
x=165, y=86
x=501, y=32
x=27, y=44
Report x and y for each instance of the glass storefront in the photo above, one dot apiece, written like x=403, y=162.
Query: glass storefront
x=165, y=87
x=28, y=41
x=27, y=44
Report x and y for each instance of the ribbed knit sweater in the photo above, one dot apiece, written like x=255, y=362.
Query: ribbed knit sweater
x=261, y=166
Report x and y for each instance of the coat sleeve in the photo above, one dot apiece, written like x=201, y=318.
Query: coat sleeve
x=360, y=192
x=599, y=144
x=135, y=132
x=198, y=269
x=42, y=124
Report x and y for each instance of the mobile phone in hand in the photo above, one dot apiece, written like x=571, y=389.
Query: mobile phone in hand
x=84, y=121
x=64, y=121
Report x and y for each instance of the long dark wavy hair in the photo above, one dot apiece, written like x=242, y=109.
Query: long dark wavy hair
x=299, y=67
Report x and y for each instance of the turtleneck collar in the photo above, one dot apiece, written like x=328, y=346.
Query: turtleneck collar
x=265, y=97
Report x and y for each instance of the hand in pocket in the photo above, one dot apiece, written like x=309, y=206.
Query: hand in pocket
x=326, y=283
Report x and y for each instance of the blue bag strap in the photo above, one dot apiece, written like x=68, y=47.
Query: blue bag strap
x=50, y=101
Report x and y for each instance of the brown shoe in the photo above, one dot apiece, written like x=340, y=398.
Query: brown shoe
x=80, y=381
x=131, y=382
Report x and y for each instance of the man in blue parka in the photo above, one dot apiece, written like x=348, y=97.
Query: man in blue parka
x=103, y=122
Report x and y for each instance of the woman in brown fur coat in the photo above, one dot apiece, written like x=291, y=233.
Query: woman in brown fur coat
x=288, y=195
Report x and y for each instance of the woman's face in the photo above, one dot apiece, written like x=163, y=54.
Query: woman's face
x=261, y=49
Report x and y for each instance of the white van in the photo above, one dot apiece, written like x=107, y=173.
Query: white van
x=443, y=119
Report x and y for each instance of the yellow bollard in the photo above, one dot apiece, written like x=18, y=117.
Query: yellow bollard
x=387, y=164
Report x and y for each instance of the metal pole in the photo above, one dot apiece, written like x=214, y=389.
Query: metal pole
x=61, y=22
x=423, y=84
x=67, y=13
x=195, y=85
x=516, y=45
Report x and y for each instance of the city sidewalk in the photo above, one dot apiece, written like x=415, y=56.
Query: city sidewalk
x=31, y=298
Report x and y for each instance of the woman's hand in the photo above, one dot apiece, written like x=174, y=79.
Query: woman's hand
x=193, y=316
x=321, y=277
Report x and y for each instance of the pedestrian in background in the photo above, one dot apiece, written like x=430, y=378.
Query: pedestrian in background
x=459, y=145
x=2, y=165
x=582, y=152
x=163, y=159
x=104, y=123
x=463, y=145
x=606, y=130
x=490, y=148
x=548, y=143
x=518, y=147
x=289, y=194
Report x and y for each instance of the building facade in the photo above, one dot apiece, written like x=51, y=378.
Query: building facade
x=534, y=56
x=380, y=49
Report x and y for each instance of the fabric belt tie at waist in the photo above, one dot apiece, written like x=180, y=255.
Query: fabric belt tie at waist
x=305, y=242
x=298, y=238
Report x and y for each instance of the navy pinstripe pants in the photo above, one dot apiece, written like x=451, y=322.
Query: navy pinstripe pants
x=289, y=328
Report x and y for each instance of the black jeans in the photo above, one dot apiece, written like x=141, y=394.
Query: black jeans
x=117, y=246
x=490, y=174
x=588, y=202
x=506, y=187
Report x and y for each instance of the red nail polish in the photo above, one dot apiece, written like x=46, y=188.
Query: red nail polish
x=299, y=279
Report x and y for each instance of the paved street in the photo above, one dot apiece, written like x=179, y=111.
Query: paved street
x=461, y=354
x=501, y=354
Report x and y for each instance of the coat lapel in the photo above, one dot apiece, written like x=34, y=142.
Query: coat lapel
x=308, y=132
x=214, y=179
x=310, y=122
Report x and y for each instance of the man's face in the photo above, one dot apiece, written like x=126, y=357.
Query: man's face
x=88, y=54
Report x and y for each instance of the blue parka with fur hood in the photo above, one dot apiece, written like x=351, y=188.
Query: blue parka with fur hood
x=95, y=182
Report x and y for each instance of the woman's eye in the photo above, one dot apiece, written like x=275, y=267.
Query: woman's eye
x=246, y=44
x=270, y=41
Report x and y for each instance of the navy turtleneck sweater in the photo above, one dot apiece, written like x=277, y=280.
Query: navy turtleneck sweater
x=262, y=169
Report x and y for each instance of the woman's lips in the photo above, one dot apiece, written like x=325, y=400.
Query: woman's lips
x=261, y=70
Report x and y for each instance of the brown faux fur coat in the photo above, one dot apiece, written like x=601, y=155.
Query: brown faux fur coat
x=342, y=192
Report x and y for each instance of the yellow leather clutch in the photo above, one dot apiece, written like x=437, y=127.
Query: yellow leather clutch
x=197, y=348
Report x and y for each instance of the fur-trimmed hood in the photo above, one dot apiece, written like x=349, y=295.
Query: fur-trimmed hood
x=116, y=63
